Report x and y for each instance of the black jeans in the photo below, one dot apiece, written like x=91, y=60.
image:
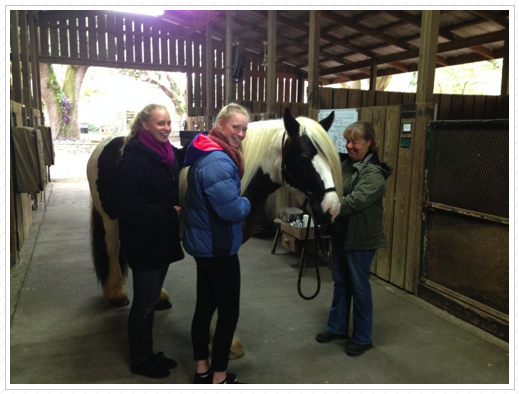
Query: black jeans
x=146, y=292
x=218, y=287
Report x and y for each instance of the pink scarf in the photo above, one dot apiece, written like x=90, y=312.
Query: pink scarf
x=233, y=153
x=163, y=150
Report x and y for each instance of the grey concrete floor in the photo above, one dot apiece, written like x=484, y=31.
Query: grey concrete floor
x=63, y=332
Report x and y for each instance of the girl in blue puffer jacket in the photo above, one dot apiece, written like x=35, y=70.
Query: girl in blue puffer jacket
x=213, y=235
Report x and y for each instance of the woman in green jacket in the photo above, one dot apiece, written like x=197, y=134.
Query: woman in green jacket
x=356, y=235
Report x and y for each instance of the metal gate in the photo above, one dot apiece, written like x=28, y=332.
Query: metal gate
x=465, y=258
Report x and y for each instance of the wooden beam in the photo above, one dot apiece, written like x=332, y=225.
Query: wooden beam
x=271, y=62
x=444, y=47
x=209, y=78
x=34, y=61
x=373, y=75
x=228, y=55
x=15, y=57
x=492, y=16
x=200, y=23
x=313, y=61
x=26, y=66
x=426, y=63
x=505, y=83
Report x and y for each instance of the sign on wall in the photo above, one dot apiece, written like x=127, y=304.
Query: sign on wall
x=343, y=118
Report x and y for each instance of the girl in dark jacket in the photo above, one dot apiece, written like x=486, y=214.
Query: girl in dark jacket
x=148, y=211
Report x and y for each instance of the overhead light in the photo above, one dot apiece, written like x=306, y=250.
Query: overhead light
x=264, y=63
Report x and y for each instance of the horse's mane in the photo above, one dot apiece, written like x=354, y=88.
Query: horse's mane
x=261, y=136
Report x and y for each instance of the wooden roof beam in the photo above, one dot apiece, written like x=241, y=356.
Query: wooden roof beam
x=492, y=16
x=444, y=47
x=445, y=33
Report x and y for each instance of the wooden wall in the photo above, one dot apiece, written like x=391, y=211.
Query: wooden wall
x=115, y=39
x=25, y=110
x=450, y=106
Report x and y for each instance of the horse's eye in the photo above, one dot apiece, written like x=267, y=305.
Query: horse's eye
x=305, y=160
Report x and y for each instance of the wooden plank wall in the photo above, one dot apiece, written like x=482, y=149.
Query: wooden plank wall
x=114, y=39
x=25, y=110
x=111, y=39
x=450, y=106
x=399, y=264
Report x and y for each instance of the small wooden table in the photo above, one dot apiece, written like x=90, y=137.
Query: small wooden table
x=292, y=237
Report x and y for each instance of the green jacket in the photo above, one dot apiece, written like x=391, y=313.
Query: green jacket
x=359, y=223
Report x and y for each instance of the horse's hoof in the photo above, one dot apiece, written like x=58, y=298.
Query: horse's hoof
x=162, y=305
x=120, y=302
x=237, y=349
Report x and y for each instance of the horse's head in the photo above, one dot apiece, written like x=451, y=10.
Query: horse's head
x=311, y=165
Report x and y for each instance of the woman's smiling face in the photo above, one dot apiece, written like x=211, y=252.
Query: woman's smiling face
x=159, y=125
x=234, y=128
x=357, y=147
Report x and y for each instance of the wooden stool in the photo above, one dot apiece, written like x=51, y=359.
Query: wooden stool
x=276, y=237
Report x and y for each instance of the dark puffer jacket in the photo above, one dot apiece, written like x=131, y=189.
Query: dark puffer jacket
x=147, y=192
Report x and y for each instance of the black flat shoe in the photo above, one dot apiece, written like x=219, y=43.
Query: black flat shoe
x=203, y=378
x=231, y=379
x=327, y=336
x=161, y=359
x=354, y=349
x=150, y=369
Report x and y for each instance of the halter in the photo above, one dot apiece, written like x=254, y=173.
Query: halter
x=285, y=174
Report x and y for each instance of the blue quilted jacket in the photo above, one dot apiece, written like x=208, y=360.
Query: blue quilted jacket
x=214, y=209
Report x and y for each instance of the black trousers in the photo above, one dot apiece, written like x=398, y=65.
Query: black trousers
x=217, y=288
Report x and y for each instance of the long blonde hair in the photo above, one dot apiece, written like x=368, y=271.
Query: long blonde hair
x=143, y=116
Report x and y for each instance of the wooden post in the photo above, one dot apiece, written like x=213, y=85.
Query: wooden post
x=15, y=53
x=228, y=55
x=313, y=63
x=373, y=75
x=26, y=68
x=505, y=83
x=209, y=77
x=34, y=61
x=427, y=58
x=271, y=63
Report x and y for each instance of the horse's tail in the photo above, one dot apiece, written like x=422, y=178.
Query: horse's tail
x=99, y=254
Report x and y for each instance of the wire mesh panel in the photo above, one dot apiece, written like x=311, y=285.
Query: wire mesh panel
x=469, y=256
x=467, y=208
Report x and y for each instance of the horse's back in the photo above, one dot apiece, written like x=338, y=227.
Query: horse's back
x=101, y=174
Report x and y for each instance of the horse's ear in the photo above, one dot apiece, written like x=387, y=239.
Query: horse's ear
x=326, y=123
x=291, y=124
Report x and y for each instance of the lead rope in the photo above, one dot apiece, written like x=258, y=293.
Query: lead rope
x=302, y=262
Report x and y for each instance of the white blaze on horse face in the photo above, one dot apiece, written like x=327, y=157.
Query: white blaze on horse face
x=330, y=201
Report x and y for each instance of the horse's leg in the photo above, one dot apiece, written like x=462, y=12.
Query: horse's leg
x=115, y=288
x=237, y=349
x=164, y=301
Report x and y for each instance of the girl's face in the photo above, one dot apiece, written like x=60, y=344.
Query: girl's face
x=159, y=125
x=234, y=128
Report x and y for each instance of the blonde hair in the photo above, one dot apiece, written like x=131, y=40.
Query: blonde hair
x=143, y=116
x=230, y=109
x=365, y=131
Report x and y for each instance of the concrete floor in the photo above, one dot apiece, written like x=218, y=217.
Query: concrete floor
x=63, y=332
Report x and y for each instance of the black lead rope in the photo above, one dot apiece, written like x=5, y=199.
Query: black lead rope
x=285, y=174
x=302, y=262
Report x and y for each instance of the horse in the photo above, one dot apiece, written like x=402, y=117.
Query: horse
x=282, y=157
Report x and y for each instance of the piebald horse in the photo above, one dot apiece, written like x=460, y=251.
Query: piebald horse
x=282, y=157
